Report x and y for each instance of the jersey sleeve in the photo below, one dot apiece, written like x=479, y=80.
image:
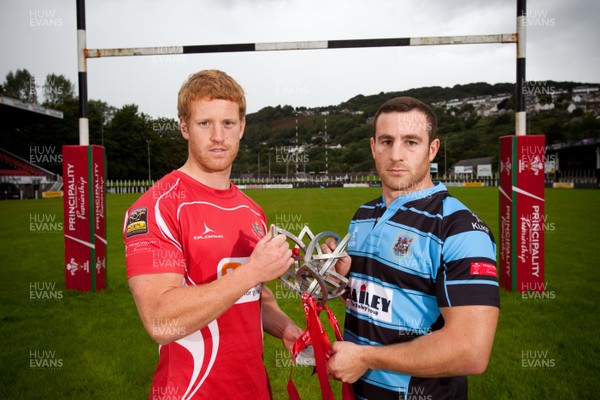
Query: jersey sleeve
x=467, y=274
x=152, y=243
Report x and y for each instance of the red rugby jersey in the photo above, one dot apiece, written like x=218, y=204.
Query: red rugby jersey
x=183, y=226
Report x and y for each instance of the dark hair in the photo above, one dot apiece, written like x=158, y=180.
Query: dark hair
x=406, y=104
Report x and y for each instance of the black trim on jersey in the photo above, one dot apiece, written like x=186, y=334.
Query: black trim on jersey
x=411, y=219
x=454, y=388
x=427, y=224
x=478, y=295
x=381, y=334
x=390, y=275
x=375, y=333
x=368, y=391
x=425, y=204
x=431, y=205
x=426, y=216
x=439, y=324
x=464, y=221
x=412, y=215
x=365, y=212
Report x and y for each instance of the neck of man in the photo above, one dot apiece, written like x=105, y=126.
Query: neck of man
x=390, y=194
x=214, y=179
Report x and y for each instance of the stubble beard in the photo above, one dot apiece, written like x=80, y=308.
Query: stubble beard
x=208, y=164
x=399, y=186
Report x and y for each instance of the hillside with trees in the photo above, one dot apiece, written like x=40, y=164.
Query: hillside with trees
x=282, y=140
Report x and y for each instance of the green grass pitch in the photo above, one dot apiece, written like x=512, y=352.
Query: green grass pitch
x=69, y=345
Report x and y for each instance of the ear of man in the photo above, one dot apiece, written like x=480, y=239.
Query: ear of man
x=183, y=128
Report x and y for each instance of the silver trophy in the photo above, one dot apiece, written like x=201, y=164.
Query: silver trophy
x=313, y=272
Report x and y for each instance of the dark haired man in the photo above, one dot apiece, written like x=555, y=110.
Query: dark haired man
x=422, y=301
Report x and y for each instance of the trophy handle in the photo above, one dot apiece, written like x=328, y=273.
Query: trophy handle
x=317, y=275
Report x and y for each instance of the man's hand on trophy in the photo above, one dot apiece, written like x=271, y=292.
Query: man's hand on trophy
x=271, y=257
x=347, y=362
x=342, y=266
x=290, y=335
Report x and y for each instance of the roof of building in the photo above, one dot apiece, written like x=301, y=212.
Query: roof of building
x=583, y=142
x=16, y=113
x=474, y=161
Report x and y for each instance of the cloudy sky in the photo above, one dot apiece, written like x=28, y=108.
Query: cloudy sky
x=562, y=44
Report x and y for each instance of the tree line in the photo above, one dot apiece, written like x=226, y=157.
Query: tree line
x=127, y=134
x=281, y=140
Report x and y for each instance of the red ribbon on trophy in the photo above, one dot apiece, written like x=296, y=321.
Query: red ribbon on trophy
x=316, y=278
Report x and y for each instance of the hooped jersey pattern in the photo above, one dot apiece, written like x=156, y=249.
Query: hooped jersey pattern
x=425, y=252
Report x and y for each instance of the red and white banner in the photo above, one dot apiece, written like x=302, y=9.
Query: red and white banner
x=98, y=172
x=84, y=218
x=506, y=213
x=522, y=212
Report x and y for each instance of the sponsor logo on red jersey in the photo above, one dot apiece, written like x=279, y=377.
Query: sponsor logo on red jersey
x=137, y=222
x=208, y=234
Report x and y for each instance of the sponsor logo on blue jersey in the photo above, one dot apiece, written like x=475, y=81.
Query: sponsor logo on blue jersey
x=370, y=299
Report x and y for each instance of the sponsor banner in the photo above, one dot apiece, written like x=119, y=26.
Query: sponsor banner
x=83, y=195
x=563, y=185
x=279, y=186
x=456, y=184
x=99, y=196
x=356, y=185
x=267, y=186
x=522, y=212
x=484, y=170
x=52, y=194
x=529, y=229
x=433, y=168
x=473, y=184
x=77, y=223
x=505, y=212
x=463, y=169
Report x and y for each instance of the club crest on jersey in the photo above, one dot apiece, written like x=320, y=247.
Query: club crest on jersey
x=137, y=222
x=258, y=230
x=403, y=245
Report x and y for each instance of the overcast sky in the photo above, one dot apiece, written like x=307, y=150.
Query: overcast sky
x=562, y=45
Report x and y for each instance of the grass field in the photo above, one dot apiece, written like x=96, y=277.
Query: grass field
x=59, y=344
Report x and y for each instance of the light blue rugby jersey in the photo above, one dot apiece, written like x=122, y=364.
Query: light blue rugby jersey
x=426, y=251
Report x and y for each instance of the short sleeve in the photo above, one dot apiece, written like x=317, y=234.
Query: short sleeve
x=152, y=243
x=467, y=275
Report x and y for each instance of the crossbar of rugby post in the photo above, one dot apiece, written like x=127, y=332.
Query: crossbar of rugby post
x=83, y=53
x=304, y=45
